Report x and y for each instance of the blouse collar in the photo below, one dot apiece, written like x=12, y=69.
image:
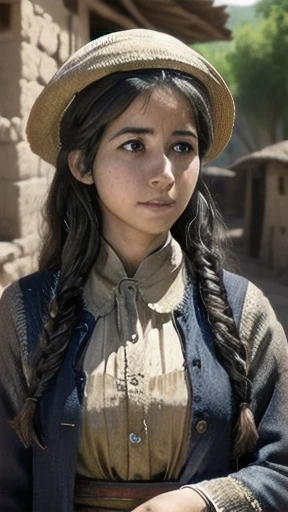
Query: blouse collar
x=160, y=278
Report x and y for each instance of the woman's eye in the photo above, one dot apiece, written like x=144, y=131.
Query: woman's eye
x=132, y=145
x=182, y=147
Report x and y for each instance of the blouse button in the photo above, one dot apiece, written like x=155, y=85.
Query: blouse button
x=133, y=438
x=201, y=426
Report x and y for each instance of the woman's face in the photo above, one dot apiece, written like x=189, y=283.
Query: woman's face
x=147, y=167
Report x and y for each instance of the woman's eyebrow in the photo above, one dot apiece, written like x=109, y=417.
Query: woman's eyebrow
x=144, y=131
x=186, y=133
x=133, y=129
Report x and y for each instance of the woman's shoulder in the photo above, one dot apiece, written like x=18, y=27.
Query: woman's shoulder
x=40, y=281
x=236, y=289
x=27, y=296
x=257, y=313
x=260, y=329
x=43, y=281
x=23, y=306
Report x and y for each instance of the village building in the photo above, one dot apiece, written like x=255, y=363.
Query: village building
x=220, y=182
x=35, y=39
x=266, y=205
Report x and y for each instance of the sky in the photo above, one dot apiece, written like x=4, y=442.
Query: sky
x=235, y=2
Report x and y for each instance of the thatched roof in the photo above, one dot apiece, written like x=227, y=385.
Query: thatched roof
x=192, y=21
x=276, y=153
x=218, y=171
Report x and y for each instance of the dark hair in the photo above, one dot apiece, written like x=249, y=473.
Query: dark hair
x=72, y=240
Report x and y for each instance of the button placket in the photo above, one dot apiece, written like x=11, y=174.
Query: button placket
x=127, y=292
x=126, y=296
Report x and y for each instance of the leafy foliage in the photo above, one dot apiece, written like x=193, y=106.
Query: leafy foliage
x=255, y=66
x=266, y=6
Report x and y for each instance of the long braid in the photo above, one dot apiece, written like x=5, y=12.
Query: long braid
x=67, y=302
x=206, y=261
x=52, y=347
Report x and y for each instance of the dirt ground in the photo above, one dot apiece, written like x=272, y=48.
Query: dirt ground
x=275, y=289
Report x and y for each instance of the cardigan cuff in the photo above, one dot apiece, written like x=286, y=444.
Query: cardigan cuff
x=229, y=494
x=209, y=505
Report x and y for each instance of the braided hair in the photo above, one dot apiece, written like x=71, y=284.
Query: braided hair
x=72, y=240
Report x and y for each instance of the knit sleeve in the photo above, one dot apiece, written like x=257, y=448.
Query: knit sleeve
x=15, y=460
x=262, y=483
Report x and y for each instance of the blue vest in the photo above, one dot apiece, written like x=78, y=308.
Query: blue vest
x=60, y=408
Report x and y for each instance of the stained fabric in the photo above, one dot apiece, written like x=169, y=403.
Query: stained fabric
x=137, y=402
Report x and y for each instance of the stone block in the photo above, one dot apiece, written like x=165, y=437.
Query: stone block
x=8, y=252
x=30, y=59
x=27, y=246
x=9, y=131
x=35, y=30
x=47, y=17
x=38, y=10
x=47, y=68
x=28, y=94
x=18, y=162
x=48, y=38
x=23, y=126
x=16, y=125
x=21, y=204
x=27, y=16
x=46, y=170
x=5, y=127
x=64, y=46
x=21, y=267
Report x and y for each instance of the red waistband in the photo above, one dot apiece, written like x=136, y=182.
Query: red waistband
x=104, y=496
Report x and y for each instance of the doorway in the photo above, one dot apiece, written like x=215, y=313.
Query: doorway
x=257, y=210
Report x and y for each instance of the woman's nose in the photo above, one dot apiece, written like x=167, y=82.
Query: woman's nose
x=161, y=173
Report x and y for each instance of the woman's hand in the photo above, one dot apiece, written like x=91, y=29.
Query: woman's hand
x=182, y=500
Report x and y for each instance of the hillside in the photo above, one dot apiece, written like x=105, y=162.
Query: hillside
x=239, y=15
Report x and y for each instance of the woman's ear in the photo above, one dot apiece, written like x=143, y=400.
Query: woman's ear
x=74, y=162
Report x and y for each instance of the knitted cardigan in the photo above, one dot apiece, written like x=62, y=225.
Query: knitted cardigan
x=35, y=479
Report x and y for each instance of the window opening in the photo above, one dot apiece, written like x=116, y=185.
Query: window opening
x=5, y=17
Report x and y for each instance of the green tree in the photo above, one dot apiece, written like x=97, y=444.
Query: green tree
x=255, y=67
x=259, y=66
x=266, y=6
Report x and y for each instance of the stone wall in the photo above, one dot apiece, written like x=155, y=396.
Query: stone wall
x=274, y=244
x=39, y=38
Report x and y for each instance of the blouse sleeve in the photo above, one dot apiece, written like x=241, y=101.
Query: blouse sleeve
x=15, y=460
x=262, y=482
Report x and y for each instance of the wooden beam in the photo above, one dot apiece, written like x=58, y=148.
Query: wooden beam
x=108, y=13
x=143, y=21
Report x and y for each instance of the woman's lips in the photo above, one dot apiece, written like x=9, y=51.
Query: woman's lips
x=158, y=204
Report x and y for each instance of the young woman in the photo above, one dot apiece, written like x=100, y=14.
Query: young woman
x=137, y=373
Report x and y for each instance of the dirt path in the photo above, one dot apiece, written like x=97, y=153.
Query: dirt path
x=271, y=285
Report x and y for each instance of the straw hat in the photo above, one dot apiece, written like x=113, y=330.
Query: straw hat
x=124, y=51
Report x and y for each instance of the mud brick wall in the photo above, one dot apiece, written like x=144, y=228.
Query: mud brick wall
x=35, y=39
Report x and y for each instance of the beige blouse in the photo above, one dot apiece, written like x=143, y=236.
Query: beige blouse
x=136, y=401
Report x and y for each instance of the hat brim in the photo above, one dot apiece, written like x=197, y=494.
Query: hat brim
x=125, y=51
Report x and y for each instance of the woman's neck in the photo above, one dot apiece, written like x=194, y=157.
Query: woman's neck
x=132, y=250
